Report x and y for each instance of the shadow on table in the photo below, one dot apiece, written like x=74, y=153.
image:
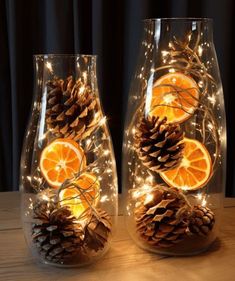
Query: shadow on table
x=215, y=246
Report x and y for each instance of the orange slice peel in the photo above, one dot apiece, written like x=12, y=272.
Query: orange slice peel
x=194, y=170
x=81, y=194
x=175, y=96
x=61, y=160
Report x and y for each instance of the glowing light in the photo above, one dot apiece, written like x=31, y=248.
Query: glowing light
x=138, y=179
x=185, y=162
x=200, y=50
x=185, y=187
x=82, y=89
x=38, y=179
x=102, y=121
x=136, y=194
x=60, y=165
x=82, y=194
x=49, y=66
x=169, y=98
x=172, y=70
x=210, y=126
x=104, y=198
x=165, y=53
x=200, y=83
x=148, y=198
x=29, y=178
x=106, y=152
x=150, y=179
x=141, y=191
x=88, y=142
x=73, y=201
x=212, y=99
x=199, y=196
x=45, y=197
x=204, y=202
x=128, y=210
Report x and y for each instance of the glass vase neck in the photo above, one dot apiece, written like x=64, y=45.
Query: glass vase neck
x=178, y=27
x=49, y=66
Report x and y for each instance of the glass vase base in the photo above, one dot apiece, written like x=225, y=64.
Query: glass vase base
x=77, y=263
x=189, y=247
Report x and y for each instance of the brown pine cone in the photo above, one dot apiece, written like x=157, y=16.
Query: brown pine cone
x=162, y=216
x=56, y=234
x=97, y=231
x=202, y=220
x=72, y=108
x=159, y=145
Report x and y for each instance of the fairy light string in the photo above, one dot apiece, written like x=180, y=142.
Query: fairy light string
x=99, y=151
x=180, y=57
x=89, y=147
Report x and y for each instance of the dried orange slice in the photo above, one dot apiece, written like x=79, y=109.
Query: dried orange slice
x=174, y=95
x=82, y=194
x=194, y=170
x=60, y=160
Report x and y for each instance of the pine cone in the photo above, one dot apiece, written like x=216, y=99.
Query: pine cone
x=97, y=231
x=72, y=109
x=162, y=216
x=158, y=144
x=56, y=234
x=202, y=220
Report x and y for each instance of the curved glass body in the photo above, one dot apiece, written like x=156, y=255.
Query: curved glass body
x=68, y=173
x=174, y=150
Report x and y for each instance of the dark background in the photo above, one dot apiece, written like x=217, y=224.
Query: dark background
x=110, y=29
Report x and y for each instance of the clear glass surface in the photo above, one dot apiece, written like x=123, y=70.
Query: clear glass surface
x=68, y=172
x=174, y=149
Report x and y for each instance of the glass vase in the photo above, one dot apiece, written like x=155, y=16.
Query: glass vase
x=174, y=149
x=68, y=174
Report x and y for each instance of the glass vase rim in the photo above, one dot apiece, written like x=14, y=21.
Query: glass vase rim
x=180, y=19
x=46, y=56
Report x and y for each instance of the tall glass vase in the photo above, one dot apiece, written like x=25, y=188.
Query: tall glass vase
x=68, y=173
x=174, y=150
